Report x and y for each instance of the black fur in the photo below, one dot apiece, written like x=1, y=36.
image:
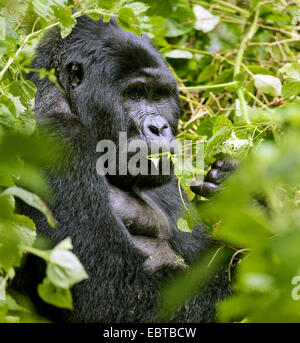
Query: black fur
x=119, y=289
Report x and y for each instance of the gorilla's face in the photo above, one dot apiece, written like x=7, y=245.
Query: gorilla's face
x=150, y=107
x=121, y=84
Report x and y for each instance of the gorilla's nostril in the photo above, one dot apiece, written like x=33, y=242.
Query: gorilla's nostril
x=154, y=130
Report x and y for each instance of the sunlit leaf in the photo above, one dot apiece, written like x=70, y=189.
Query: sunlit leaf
x=268, y=84
x=205, y=21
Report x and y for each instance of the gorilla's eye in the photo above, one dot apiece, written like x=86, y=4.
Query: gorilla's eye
x=76, y=74
x=138, y=92
x=159, y=93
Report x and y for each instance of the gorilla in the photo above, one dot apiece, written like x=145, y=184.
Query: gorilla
x=123, y=227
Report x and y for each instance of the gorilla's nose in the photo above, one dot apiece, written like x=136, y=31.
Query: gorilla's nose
x=156, y=127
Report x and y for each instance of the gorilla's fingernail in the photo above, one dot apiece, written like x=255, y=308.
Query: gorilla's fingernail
x=225, y=164
x=205, y=189
x=215, y=176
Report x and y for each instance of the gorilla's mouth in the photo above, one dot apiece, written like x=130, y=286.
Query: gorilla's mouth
x=144, y=168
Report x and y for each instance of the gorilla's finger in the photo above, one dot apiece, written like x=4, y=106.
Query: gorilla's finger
x=225, y=164
x=205, y=189
x=216, y=176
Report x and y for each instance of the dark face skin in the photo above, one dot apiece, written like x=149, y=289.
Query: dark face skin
x=150, y=105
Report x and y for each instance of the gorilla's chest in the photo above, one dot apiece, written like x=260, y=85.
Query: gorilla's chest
x=148, y=227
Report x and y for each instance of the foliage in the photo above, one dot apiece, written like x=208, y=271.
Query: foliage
x=238, y=70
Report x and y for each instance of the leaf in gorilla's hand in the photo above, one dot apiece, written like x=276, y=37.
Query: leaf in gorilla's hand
x=64, y=268
x=32, y=200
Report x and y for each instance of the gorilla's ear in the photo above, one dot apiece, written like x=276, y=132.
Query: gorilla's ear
x=75, y=74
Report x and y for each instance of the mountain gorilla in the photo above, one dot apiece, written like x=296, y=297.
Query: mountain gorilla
x=123, y=227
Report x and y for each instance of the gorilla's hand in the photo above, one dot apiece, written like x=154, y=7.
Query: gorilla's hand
x=219, y=171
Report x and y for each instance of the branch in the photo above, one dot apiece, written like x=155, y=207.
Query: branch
x=238, y=62
x=33, y=34
x=200, y=88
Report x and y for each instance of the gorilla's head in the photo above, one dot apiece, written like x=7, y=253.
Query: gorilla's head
x=116, y=81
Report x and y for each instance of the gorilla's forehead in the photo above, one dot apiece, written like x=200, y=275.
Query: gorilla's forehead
x=117, y=49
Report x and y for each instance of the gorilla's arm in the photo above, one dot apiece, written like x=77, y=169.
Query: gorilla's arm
x=188, y=245
x=149, y=228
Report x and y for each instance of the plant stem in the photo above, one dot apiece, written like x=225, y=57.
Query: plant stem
x=257, y=100
x=236, y=8
x=199, y=88
x=290, y=40
x=40, y=253
x=238, y=62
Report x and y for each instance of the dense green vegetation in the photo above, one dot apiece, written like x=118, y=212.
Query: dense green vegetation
x=238, y=69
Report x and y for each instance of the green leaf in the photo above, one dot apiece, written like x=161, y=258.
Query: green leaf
x=207, y=73
x=25, y=90
x=64, y=268
x=6, y=181
x=11, y=240
x=138, y=7
x=56, y=296
x=8, y=103
x=258, y=69
x=45, y=8
x=183, y=225
x=222, y=121
x=290, y=88
x=27, y=123
x=32, y=200
x=128, y=21
x=6, y=117
x=2, y=288
x=106, y=18
x=66, y=22
x=291, y=71
x=19, y=108
x=12, y=305
x=2, y=28
x=26, y=228
x=213, y=145
x=179, y=54
x=105, y=4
